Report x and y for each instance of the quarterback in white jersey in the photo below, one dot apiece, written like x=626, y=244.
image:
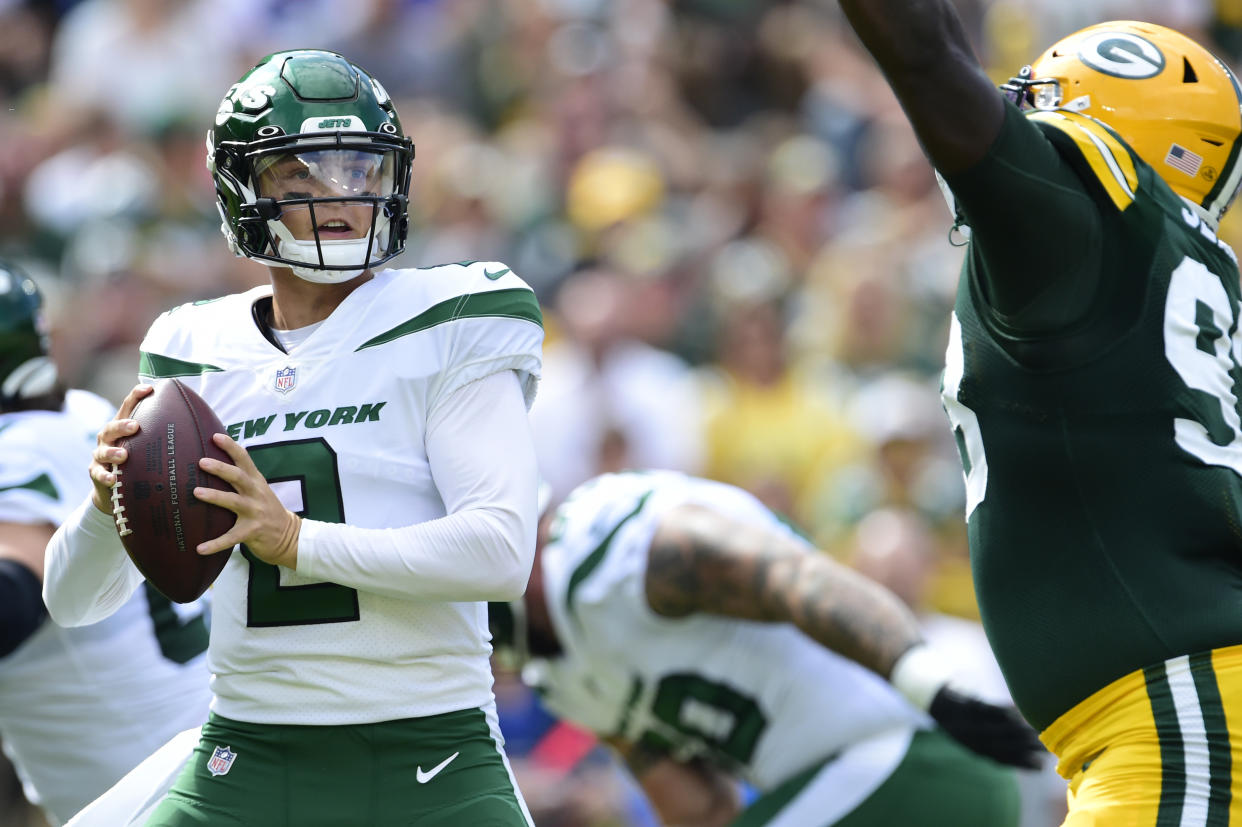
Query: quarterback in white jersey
x=382, y=469
x=337, y=427
x=78, y=707
x=683, y=622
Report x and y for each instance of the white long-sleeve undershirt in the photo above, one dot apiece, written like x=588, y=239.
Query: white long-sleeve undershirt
x=482, y=460
x=86, y=573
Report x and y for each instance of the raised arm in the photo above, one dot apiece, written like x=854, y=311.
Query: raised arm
x=701, y=560
x=926, y=56
x=1004, y=171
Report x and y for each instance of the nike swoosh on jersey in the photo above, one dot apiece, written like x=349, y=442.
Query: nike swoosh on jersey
x=424, y=777
x=497, y=274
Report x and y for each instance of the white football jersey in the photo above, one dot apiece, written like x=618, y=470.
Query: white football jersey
x=80, y=707
x=762, y=699
x=337, y=427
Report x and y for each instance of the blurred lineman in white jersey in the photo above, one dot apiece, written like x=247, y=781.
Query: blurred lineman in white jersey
x=696, y=633
x=78, y=707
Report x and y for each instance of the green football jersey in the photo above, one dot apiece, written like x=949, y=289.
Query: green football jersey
x=1092, y=382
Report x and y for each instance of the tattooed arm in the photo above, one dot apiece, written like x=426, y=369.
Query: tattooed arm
x=704, y=561
x=682, y=792
x=701, y=560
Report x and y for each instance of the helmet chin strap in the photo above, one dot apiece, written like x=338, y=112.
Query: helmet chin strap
x=336, y=253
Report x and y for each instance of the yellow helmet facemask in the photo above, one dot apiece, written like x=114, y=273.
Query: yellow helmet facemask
x=1172, y=101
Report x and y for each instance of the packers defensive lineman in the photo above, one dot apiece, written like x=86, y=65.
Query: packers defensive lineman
x=687, y=625
x=1092, y=382
x=78, y=707
x=384, y=476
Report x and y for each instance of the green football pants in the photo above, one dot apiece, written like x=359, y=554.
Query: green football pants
x=441, y=770
x=938, y=783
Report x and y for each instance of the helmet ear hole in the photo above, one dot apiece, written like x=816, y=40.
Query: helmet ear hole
x=1188, y=72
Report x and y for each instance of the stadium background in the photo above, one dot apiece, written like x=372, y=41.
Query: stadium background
x=742, y=255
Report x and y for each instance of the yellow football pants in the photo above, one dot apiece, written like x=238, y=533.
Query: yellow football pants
x=1156, y=748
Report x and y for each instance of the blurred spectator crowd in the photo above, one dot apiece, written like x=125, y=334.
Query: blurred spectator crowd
x=743, y=257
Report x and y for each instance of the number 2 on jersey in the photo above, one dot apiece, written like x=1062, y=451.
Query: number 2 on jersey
x=312, y=464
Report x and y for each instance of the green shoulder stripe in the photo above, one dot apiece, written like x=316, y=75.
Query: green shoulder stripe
x=515, y=303
x=42, y=484
x=166, y=367
x=592, y=560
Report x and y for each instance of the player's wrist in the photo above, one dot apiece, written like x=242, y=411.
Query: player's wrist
x=919, y=674
x=102, y=505
x=287, y=554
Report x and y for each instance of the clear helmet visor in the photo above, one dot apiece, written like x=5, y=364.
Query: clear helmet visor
x=326, y=173
x=331, y=208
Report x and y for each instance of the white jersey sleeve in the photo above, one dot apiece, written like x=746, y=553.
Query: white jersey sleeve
x=46, y=453
x=761, y=698
x=87, y=575
x=340, y=426
x=477, y=345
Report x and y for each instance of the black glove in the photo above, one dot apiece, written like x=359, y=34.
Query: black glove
x=996, y=732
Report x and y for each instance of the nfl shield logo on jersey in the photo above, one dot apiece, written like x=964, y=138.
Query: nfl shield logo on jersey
x=221, y=761
x=286, y=379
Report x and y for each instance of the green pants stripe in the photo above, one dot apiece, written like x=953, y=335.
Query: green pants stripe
x=1194, y=742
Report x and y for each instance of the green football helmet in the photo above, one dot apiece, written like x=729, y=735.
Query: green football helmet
x=311, y=167
x=26, y=370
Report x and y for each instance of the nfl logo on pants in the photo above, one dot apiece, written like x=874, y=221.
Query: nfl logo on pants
x=221, y=761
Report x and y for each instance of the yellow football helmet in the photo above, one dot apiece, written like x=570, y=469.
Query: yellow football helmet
x=1172, y=101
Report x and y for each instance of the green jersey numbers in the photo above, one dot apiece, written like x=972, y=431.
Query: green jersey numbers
x=1202, y=344
x=963, y=421
x=311, y=464
x=705, y=712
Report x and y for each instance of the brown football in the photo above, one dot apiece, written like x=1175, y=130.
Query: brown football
x=159, y=519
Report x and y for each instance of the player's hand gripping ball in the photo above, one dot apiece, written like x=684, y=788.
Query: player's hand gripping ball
x=159, y=519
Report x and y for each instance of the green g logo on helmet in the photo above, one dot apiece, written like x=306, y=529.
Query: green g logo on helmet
x=311, y=167
x=1122, y=55
x=26, y=370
